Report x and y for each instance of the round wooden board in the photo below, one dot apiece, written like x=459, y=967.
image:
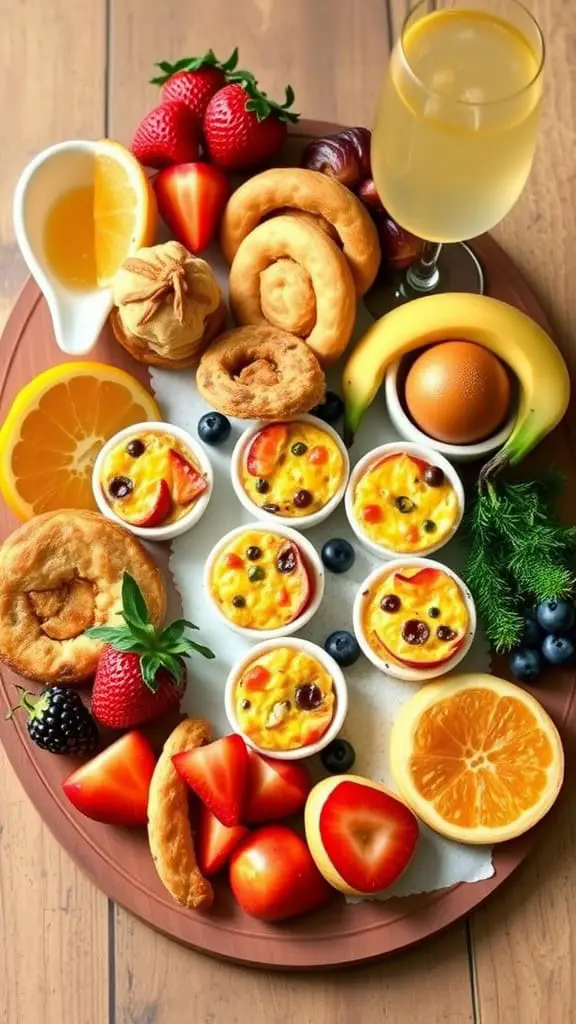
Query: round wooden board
x=119, y=861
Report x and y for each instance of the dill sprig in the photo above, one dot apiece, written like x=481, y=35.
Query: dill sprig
x=519, y=553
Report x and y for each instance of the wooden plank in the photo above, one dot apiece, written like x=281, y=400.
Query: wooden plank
x=334, y=56
x=53, y=921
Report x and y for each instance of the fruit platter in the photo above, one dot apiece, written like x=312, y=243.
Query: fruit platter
x=287, y=595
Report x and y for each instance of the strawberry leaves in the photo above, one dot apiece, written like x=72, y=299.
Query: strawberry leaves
x=209, y=60
x=259, y=103
x=157, y=649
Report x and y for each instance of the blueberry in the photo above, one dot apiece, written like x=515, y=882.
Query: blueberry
x=558, y=650
x=338, y=555
x=214, y=428
x=338, y=756
x=331, y=409
x=525, y=664
x=556, y=616
x=343, y=647
x=531, y=633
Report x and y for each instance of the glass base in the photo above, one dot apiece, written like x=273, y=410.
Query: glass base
x=460, y=271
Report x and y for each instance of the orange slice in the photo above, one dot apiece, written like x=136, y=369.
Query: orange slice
x=477, y=758
x=125, y=213
x=55, y=429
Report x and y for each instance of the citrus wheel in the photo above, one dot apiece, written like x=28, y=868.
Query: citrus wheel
x=125, y=213
x=476, y=758
x=55, y=429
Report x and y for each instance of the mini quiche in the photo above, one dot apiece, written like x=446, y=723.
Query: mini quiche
x=405, y=504
x=260, y=580
x=415, y=617
x=151, y=479
x=292, y=469
x=284, y=699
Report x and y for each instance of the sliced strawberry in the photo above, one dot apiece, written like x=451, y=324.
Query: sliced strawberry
x=217, y=774
x=113, y=786
x=372, y=513
x=215, y=841
x=276, y=789
x=318, y=456
x=158, y=509
x=426, y=576
x=191, y=200
x=233, y=561
x=264, y=453
x=187, y=482
x=368, y=834
x=169, y=134
x=255, y=678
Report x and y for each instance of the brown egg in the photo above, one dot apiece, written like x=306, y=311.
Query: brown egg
x=458, y=392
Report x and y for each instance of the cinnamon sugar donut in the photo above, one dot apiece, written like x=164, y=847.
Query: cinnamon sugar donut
x=314, y=193
x=60, y=574
x=291, y=275
x=260, y=373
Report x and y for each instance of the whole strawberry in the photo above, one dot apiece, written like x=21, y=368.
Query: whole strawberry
x=194, y=80
x=169, y=134
x=140, y=673
x=243, y=128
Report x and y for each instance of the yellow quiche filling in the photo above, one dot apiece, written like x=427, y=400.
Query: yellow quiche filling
x=284, y=699
x=415, y=617
x=260, y=580
x=406, y=504
x=292, y=469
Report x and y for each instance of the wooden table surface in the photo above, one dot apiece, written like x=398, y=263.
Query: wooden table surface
x=67, y=954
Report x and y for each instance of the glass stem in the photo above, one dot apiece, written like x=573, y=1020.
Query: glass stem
x=423, y=276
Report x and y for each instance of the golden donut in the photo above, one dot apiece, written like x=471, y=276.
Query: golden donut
x=314, y=193
x=169, y=831
x=289, y=274
x=260, y=373
x=61, y=573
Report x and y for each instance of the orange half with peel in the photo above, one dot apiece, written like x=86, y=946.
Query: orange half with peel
x=125, y=212
x=476, y=758
x=55, y=429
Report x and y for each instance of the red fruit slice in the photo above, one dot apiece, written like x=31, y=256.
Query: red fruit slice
x=423, y=664
x=372, y=513
x=187, y=482
x=215, y=841
x=191, y=200
x=318, y=456
x=217, y=774
x=369, y=835
x=158, y=510
x=420, y=464
x=113, y=786
x=265, y=451
x=290, y=564
x=425, y=576
x=255, y=678
x=276, y=789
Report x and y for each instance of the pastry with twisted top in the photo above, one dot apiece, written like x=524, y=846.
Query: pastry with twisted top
x=167, y=306
x=291, y=275
x=60, y=574
x=260, y=373
x=312, y=192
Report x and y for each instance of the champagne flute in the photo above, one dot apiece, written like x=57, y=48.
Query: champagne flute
x=455, y=134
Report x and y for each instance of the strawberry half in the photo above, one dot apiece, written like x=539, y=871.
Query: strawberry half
x=191, y=200
x=264, y=453
x=140, y=673
x=215, y=841
x=194, y=80
x=276, y=789
x=217, y=774
x=113, y=786
x=187, y=482
x=243, y=128
x=169, y=134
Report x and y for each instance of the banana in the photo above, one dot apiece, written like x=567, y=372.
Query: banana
x=510, y=334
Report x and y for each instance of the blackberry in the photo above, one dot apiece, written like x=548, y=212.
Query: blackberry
x=58, y=721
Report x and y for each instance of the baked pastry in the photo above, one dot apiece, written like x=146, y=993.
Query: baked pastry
x=260, y=373
x=314, y=193
x=167, y=306
x=290, y=274
x=61, y=573
x=169, y=829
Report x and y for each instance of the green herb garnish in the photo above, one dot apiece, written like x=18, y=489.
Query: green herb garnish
x=519, y=553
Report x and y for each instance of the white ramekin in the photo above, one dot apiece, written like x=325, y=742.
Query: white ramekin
x=376, y=455
x=171, y=530
x=391, y=668
x=407, y=429
x=313, y=564
x=305, y=522
x=340, y=688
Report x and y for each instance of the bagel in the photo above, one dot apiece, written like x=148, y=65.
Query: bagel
x=290, y=274
x=60, y=574
x=312, y=192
